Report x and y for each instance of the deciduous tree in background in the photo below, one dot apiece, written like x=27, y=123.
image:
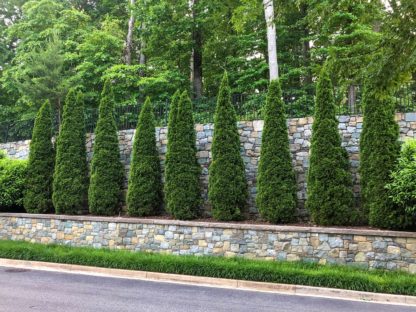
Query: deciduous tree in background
x=276, y=183
x=107, y=172
x=227, y=189
x=145, y=192
x=70, y=183
x=38, y=194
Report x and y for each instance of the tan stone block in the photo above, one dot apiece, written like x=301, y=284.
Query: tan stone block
x=160, y=238
x=88, y=226
x=226, y=246
x=292, y=257
x=365, y=246
x=228, y=232
x=322, y=261
x=411, y=247
x=68, y=237
x=89, y=238
x=359, y=238
x=202, y=243
x=45, y=240
x=217, y=250
x=302, y=121
x=134, y=240
x=314, y=241
x=360, y=257
x=412, y=268
x=393, y=250
x=229, y=254
x=60, y=235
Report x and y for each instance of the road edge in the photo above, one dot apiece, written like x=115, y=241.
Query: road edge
x=288, y=289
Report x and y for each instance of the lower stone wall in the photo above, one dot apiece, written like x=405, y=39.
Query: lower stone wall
x=366, y=248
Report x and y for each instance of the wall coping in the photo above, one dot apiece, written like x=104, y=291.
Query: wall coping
x=239, y=226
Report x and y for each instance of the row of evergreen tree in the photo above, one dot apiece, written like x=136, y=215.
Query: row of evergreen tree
x=61, y=182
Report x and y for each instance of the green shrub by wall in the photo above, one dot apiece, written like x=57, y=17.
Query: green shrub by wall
x=276, y=183
x=227, y=190
x=379, y=150
x=70, y=183
x=12, y=183
x=330, y=197
x=402, y=188
x=107, y=172
x=145, y=195
x=183, y=196
x=38, y=192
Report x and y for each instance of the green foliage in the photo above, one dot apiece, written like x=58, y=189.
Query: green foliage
x=107, y=172
x=402, y=188
x=70, y=183
x=38, y=193
x=182, y=169
x=379, y=150
x=276, y=184
x=12, y=183
x=330, y=198
x=227, y=190
x=299, y=273
x=145, y=195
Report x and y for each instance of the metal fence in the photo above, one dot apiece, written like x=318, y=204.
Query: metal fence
x=247, y=107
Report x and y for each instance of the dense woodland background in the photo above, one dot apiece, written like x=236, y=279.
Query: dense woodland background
x=154, y=47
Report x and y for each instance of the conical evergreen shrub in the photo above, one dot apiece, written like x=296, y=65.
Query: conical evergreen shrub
x=106, y=179
x=182, y=188
x=145, y=195
x=330, y=197
x=38, y=194
x=70, y=182
x=227, y=189
x=379, y=151
x=276, y=183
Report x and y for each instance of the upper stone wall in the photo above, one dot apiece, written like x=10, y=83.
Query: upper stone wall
x=300, y=131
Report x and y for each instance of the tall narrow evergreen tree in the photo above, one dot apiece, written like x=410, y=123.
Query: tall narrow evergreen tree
x=182, y=169
x=169, y=167
x=38, y=194
x=70, y=183
x=106, y=169
x=145, y=195
x=276, y=183
x=330, y=197
x=227, y=190
x=379, y=151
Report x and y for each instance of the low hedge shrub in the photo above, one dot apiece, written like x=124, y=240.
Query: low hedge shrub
x=12, y=183
x=301, y=273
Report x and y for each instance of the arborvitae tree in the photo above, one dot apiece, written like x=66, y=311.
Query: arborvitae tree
x=330, y=197
x=379, y=151
x=276, y=183
x=183, y=195
x=106, y=169
x=227, y=189
x=38, y=194
x=169, y=167
x=70, y=181
x=145, y=195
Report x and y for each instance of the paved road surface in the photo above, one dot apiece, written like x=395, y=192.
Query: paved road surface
x=26, y=290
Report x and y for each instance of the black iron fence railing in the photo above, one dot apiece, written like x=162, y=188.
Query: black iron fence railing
x=247, y=107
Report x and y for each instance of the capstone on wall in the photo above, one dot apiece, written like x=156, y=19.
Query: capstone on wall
x=300, y=131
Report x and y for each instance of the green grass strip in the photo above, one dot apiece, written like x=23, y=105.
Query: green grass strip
x=300, y=273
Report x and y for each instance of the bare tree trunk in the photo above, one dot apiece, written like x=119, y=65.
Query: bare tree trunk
x=128, y=48
x=196, y=56
x=352, y=98
x=271, y=39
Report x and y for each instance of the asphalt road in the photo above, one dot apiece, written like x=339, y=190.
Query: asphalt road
x=26, y=290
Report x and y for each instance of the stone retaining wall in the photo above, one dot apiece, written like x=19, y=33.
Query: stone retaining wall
x=366, y=248
x=300, y=131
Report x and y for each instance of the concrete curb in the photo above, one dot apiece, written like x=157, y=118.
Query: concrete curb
x=287, y=289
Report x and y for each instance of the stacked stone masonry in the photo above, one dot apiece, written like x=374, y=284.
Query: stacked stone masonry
x=300, y=131
x=365, y=248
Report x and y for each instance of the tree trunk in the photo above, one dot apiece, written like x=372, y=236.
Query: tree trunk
x=128, y=48
x=196, y=56
x=271, y=39
x=352, y=99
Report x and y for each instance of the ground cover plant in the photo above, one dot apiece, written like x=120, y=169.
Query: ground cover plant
x=301, y=273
